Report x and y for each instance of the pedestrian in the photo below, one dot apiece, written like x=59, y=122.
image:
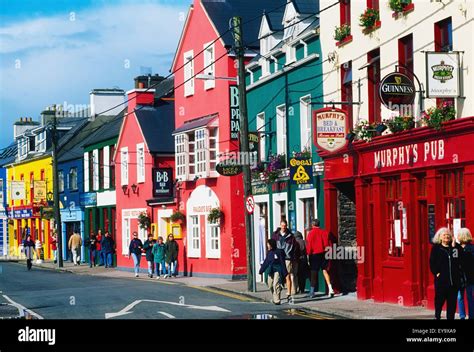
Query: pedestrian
x=135, y=250
x=467, y=266
x=286, y=241
x=148, y=247
x=54, y=246
x=75, y=244
x=159, y=254
x=38, y=250
x=275, y=267
x=303, y=269
x=28, y=247
x=172, y=250
x=445, y=266
x=99, y=252
x=317, y=244
x=92, y=244
x=108, y=249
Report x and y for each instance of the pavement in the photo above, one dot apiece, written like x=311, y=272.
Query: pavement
x=339, y=306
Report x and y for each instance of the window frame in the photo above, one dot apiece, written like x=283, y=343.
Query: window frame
x=281, y=130
x=212, y=252
x=73, y=179
x=141, y=163
x=193, y=251
x=188, y=73
x=305, y=123
x=209, y=59
x=124, y=166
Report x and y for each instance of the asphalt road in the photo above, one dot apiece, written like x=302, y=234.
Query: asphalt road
x=51, y=294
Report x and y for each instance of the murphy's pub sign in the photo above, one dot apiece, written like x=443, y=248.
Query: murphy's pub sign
x=330, y=129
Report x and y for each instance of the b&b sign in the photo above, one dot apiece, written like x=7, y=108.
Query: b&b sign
x=163, y=182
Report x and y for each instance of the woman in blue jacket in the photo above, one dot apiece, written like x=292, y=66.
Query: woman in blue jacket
x=135, y=250
x=274, y=265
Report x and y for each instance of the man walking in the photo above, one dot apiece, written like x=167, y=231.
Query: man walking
x=108, y=249
x=75, y=244
x=287, y=242
x=316, y=244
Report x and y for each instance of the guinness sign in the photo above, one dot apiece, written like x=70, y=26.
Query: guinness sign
x=395, y=90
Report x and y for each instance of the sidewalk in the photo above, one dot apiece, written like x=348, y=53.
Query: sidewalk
x=340, y=306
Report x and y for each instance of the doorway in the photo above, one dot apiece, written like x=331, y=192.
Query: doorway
x=261, y=232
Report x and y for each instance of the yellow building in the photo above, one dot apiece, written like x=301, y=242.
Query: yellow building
x=29, y=182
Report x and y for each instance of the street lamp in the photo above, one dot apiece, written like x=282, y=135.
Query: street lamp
x=49, y=198
x=124, y=189
x=134, y=188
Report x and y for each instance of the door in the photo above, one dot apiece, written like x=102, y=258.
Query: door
x=260, y=235
x=424, y=249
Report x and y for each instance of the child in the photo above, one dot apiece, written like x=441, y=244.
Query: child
x=159, y=252
x=274, y=266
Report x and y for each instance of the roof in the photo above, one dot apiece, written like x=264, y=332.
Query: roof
x=109, y=130
x=157, y=125
x=274, y=19
x=165, y=88
x=306, y=6
x=8, y=154
x=195, y=123
x=220, y=12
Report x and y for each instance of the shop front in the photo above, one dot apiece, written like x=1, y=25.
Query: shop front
x=403, y=187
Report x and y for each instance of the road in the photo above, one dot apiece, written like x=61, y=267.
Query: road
x=51, y=294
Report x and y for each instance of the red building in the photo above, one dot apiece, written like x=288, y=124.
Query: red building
x=405, y=186
x=144, y=162
x=204, y=129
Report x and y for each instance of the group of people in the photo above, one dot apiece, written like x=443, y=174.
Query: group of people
x=452, y=265
x=290, y=260
x=101, y=249
x=162, y=257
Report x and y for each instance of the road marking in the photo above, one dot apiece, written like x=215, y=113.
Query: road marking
x=168, y=315
x=127, y=309
x=21, y=308
x=223, y=293
x=308, y=315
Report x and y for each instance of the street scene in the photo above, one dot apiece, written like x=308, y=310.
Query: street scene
x=237, y=160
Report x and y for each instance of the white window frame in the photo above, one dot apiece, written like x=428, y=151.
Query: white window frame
x=281, y=129
x=124, y=166
x=61, y=181
x=181, y=156
x=291, y=54
x=261, y=127
x=212, y=252
x=201, y=140
x=106, y=175
x=209, y=59
x=40, y=142
x=188, y=71
x=95, y=169
x=191, y=153
x=126, y=235
x=86, y=172
x=22, y=148
x=251, y=76
x=140, y=163
x=265, y=63
x=213, y=161
x=301, y=196
x=194, y=252
x=71, y=178
x=305, y=123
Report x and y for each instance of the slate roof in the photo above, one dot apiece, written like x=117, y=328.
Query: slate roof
x=306, y=6
x=107, y=131
x=8, y=155
x=165, y=88
x=157, y=125
x=195, y=123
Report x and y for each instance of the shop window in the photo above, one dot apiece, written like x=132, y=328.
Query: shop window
x=213, y=241
x=454, y=199
x=346, y=90
x=373, y=78
x=396, y=216
x=194, y=240
x=282, y=208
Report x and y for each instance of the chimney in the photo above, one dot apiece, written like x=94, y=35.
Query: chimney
x=148, y=81
x=23, y=125
x=106, y=101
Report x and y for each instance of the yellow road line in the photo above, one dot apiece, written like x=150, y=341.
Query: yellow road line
x=223, y=293
x=309, y=315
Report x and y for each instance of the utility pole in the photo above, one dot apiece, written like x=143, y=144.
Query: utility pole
x=57, y=214
x=244, y=147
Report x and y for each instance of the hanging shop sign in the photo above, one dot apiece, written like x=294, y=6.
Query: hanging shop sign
x=301, y=171
x=254, y=140
x=228, y=169
x=18, y=190
x=234, y=112
x=21, y=213
x=331, y=127
x=39, y=191
x=397, y=90
x=442, y=75
x=162, y=182
x=88, y=199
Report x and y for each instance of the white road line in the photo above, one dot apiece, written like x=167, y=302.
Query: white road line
x=168, y=315
x=22, y=308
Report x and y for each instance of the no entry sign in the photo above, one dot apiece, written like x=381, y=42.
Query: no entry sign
x=250, y=204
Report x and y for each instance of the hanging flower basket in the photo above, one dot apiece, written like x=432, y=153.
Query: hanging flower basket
x=370, y=20
x=401, y=7
x=400, y=123
x=364, y=131
x=342, y=34
x=215, y=216
x=144, y=220
x=177, y=217
x=434, y=117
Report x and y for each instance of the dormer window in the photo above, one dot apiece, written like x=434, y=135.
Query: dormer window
x=290, y=28
x=40, y=142
x=22, y=148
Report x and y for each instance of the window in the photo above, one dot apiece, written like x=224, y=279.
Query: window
x=86, y=172
x=209, y=66
x=346, y=90
x=22, y=148
x=95, y=169
x=396, y=216
x=32, y=187
x=194, y=241
x=281, y=129
x=124, y=166
x=454, y=199
x=101, y=174
x=261, y=131
x=40, y=142
x=373, y=4
x=91, y=171
x=61, y=181
x=405, y=55
x=291, y=54
x=140, y=162
x=192, y=156
x=265, y=63
x=73, y=179
x=308, y=213
x=213, y=241
x=213, y=148
x=188, y=73
x=345, y=12
x=373, y=77
x=201, y=152
x=125, y=235
x=289, y=29
x=181, y=148
x=112, y=166
x=444, y=35
x=305, y=122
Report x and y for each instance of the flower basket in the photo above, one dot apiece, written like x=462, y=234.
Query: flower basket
x=342, y=32
x=270, y=171
x=144, y=220
x=400, y=123
x=401, y=7
x=434, y=117
x=177, y=217
x=364, y=131
x=304, y=154
x=215, y=216
x=370, y=20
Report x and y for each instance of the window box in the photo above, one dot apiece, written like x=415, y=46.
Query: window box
x=368, y=30
x=370, y=20
x=404, y=10
x=344, y=41
x=342, y=34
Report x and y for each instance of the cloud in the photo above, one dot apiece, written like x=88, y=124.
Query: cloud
x=62, y=58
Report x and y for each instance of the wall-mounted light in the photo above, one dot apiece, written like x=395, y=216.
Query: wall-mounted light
x=134, y=188
x=125, y=189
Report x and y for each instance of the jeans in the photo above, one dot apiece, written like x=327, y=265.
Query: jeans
x=172, y=267
x=109, y=259
x=136, y=262
x=160, y=268
x=448, y=295
x=102, y=256
x=470, y=302
x=92, y=260
x=55, y=255
x=150, y=267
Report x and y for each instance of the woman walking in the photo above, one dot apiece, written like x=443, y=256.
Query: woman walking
x=92, y=244
x=29, y=247
x=172, y=249
x=445, y=266
x=467, y=267
x=135, y=250
x=148, y=248
x=54, y=247
x=159, y=254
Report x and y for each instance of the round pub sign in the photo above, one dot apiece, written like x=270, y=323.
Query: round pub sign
x=330, y=129
x=396, y=90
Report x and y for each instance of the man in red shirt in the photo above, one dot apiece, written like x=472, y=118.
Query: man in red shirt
x=316, y=244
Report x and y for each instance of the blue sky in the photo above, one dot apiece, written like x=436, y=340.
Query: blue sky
x=57, y=51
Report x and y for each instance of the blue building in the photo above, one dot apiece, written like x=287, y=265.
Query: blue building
x=7, y=155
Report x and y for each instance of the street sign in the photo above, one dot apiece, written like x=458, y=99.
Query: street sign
x=250, y=204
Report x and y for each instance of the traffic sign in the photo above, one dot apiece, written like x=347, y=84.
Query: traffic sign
x=250, y=204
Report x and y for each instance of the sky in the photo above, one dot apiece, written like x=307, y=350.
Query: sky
x=57, y=51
